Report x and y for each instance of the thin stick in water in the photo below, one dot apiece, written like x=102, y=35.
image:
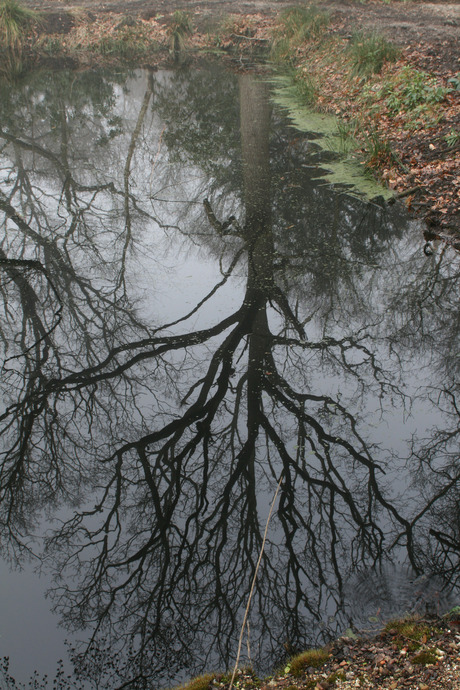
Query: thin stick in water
x=246, y=613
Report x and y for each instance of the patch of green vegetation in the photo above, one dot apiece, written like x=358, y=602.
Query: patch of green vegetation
x=378, y=152
x=409, y=89
x=344, y=140
x=304, y=23
x=180, y=26
x=52, y=45
x=200, y=683
x=295, y=27
x=305, y=87
x=411, y=94
x=314, y=658
x=127, y=44
x=454, y=82
x=452, y=139
x=15, y=23
x=369, y=52
x=427, y=656
x=453, y=613
x=409, y=632
x=235, y=25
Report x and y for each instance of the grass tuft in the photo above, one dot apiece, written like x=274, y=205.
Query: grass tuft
x=129, y=43
x=369, y=52
x=344, y=140
x=314, y=658
x=305, y=86
x=303, y=23
x=296, y=26
x=179, y=28
x=15, y=21
x=200, y=683
x=378, y=152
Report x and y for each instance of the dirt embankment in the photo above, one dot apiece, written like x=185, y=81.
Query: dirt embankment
x=436, y=24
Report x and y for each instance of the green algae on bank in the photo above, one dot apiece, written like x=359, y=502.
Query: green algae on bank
x=344, y=169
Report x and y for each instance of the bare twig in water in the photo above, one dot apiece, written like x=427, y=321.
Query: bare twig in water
x=246, y=613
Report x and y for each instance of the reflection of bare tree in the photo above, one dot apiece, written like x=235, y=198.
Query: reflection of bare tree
x=168, y=441
x=41, y=290
x=435, y=466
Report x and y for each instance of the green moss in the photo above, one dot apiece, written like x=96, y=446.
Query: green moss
x=200, y=683
x=428, y=656
x=453, y=613
x=311, y=658
x=409, y=632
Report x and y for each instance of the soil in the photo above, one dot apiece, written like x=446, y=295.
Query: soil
x=436, y=24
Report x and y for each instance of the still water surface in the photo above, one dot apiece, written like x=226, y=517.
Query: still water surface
x=191, y=313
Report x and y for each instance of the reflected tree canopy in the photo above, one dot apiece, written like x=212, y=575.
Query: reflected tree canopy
x=148, y=414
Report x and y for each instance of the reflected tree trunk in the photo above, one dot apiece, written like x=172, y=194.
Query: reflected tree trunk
x=255, y=140
x=255, y=129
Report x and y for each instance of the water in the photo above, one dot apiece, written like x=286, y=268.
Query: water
x=190, y=312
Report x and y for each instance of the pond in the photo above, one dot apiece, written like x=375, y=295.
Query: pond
x=192, y=315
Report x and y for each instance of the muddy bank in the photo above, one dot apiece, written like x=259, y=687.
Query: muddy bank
x=433, y=23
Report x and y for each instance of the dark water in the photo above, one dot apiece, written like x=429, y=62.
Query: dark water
x=190, y=313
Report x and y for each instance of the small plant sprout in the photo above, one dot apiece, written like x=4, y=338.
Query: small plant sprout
x=454, y=82
x=453, y=138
